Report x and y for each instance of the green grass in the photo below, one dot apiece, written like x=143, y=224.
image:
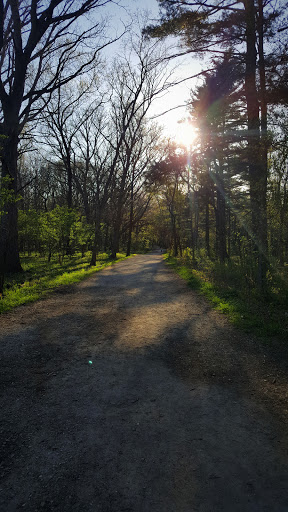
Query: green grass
x=222, y=286
x=41, y=277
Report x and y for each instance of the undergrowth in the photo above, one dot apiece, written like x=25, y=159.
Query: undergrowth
x=229, y=291
x=40, y=277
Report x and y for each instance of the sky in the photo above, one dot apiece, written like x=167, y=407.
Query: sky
x=187, y=66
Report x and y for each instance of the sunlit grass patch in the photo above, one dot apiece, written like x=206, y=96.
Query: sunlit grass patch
x=41, y=277
x=222, y=286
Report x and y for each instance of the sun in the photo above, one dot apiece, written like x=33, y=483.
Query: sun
x=185, y=133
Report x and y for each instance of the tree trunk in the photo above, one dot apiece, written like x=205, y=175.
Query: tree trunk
x=116, y=239
x=106, y=237
x=118, y=218
x=9, y=250
x=207, y=229
x=69, y=182
x=192, y=212
x=256, y=164
x=128, y=252
x=131, y=217
x=192, y=229
x=263, y=149
x=95, y=247
x=174, y=235
x=68, y=248
x=229, y=233
x=118, y=214
x=221, y=231
x=283, y=208
x=196, y=219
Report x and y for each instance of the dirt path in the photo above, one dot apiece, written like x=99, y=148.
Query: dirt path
x=128, y=393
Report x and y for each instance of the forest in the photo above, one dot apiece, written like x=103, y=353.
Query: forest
x=88, y=176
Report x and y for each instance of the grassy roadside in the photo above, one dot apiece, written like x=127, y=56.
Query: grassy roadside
x=41, y=277
x=263, y=317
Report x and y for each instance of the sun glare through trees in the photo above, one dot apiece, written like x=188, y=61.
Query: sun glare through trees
x=144, y=214
x=185, y=134
x=88, y=163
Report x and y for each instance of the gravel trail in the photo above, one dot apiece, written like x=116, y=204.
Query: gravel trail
x=129, y=393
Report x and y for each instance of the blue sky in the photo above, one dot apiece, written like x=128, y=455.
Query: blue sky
x=118, y=15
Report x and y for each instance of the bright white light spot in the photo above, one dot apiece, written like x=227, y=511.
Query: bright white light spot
x=185, y=134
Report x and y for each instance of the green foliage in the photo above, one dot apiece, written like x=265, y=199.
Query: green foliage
x=6, y=193
x=81, y=235
x=175, y=21
x=54, y=232
x=143, y=241
x=29, y=229
x=229, y=290
x=41, y=277
x=54, y=245
x=55, y=229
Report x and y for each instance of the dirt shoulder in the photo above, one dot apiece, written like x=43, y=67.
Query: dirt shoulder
x=129, y=393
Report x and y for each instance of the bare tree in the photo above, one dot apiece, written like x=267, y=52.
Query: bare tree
x=68, y=112
x=139, y=77
x=42, y=48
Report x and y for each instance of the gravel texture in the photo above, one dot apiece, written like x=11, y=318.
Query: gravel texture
x=129, y=393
